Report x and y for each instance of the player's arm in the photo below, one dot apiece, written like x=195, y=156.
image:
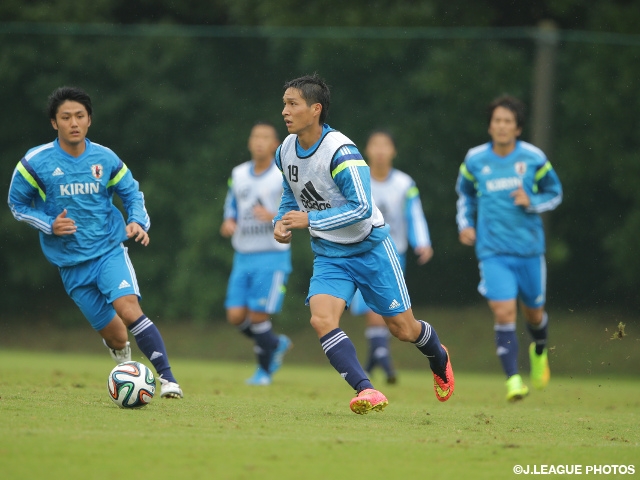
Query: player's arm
x=288, y=205
x=418, y=230
x=547, y=190
x=127, y=188
x=466, y=206
x=229, y=223
x=351, y=175
x=24, y=189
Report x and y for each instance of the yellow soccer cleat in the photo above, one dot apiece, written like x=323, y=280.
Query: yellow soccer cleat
x=516, y=389
x=540, y=372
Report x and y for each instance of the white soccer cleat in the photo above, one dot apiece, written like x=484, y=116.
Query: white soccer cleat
x=169, y=389
x=120, y=356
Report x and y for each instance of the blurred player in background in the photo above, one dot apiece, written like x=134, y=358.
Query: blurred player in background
x=261, y=266
x=503, y=186
x=327, y=189
x=396, y=195
x=65, y=189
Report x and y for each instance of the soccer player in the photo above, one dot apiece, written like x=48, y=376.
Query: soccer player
x=503, y=186
x=396, y=195
x=327, y=190
x=261, y=266
x=64, y=189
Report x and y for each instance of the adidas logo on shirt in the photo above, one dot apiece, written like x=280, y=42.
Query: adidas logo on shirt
x=311, y=199
x=394, y=304
x=123, y=284
x=57, y=172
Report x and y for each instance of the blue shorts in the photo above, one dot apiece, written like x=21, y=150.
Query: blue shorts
x=506, y=277
x=95, y=284
x=258, y=281
x=376, y=273
x=358, y=305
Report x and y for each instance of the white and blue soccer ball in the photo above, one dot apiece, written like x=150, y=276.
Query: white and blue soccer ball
x=131, y=385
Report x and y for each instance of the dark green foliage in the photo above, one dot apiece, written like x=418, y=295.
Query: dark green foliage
x=176, y=104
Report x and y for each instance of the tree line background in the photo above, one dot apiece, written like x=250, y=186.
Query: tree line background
x=177, y=86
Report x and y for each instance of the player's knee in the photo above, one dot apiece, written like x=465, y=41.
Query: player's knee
x=322, y=325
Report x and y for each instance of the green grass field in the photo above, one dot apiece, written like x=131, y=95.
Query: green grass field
x=57, y=421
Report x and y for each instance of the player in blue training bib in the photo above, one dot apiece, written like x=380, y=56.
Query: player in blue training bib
x=65, y=189
x=261, y=266
x=397, y=197
x=327, y=190
x=503, y=186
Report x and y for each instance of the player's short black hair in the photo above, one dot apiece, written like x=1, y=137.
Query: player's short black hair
x=314, y=90
x=263, y=123
x=510, y=103
x=62, y=94
x=386, y=133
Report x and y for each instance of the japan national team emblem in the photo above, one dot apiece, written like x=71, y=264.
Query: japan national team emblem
x=521, y=168
x=96, y=171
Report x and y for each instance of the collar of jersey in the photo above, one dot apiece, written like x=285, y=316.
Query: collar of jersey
x=515, y=151
x=302, y=153
x=87, y=147
x=253, y=171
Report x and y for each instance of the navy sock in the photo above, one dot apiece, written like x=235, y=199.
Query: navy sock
x=507, y=347
x=539, y=333
x=151, y=344
x=342, y=355
x=245, y=328
x=429, y=344
x=379, y=349
x=266, y=342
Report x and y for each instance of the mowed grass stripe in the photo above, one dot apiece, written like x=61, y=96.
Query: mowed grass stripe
x=56, y=421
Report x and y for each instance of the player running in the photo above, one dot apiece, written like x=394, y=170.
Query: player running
x=64, y=189
x=503, y=186
x=397, y=197
x=261, y=266
x=327, y=190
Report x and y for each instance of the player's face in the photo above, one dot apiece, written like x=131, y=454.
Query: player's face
x=263, y=142
x=72, y=123
x=503, y=127
x=380, y=151
x=298, y=116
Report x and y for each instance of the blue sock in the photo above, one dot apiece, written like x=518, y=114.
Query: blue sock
x=379, y=349
x=245, y=328
x=539, y=333
x=151, y=344
x=342, y=355
x=429, y=344
x=507, y=347
x=266, y=342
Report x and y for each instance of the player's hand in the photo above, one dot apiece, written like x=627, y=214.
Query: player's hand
x=63, y=225
x=521, y=198
x=281, y=234
x=468, y=236
x=134, y=230
x=424, y=254
x=228, y=227
x=263, y=214
x=295, y=219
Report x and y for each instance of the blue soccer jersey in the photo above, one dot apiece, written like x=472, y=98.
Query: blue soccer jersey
x=48, y=180
x=485, y=184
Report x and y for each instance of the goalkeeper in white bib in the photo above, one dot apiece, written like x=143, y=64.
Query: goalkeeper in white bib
x=327, y=189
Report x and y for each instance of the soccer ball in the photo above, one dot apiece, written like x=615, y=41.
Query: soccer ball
x=131, y=385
